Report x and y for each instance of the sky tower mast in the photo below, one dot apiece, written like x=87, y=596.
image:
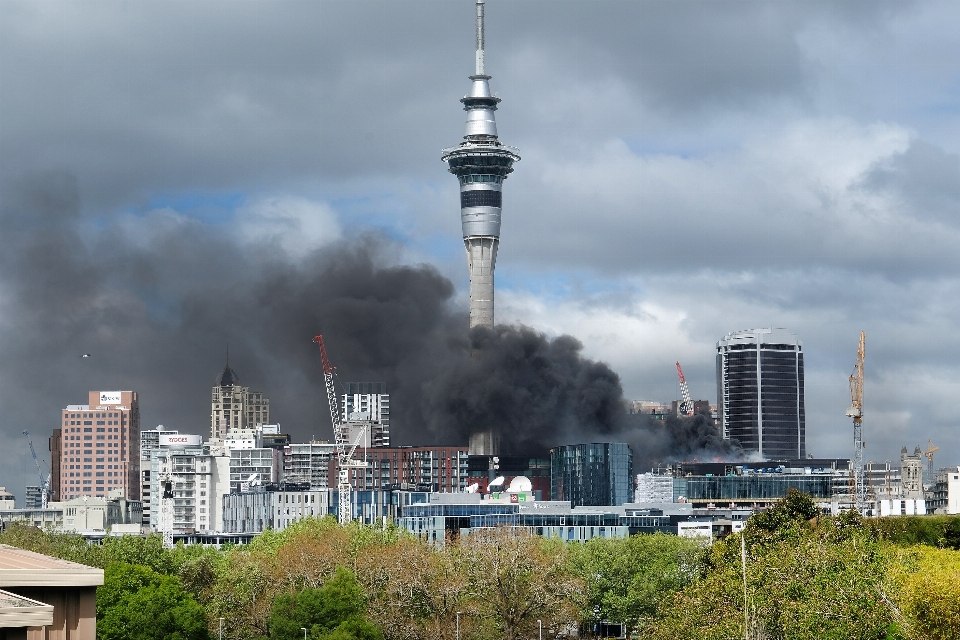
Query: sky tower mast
x=481, y=163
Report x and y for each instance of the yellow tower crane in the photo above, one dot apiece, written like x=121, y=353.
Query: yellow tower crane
x=929, y=453
x=856, y=412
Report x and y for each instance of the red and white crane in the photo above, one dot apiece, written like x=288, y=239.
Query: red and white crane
x=686, y=404
x=345, y=449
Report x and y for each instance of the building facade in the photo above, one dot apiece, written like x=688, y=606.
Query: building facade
x=100, y=446
x=911, y=473
x=198, y=476
x=653, y=488
x=760, y=392
x=440, y=469
x=309, y=463
x=234, y=406
x=149, y=443
x=257, y=511
x=369, y=401
x=596, y=474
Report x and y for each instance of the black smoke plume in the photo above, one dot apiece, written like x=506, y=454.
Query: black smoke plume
x=156, y=298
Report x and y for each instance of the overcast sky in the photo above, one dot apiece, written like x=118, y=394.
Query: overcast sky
x=688, y=169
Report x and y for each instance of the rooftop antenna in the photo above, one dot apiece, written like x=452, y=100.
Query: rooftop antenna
x=480, y=38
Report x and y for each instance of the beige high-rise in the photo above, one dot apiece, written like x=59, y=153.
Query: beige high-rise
x=100, y=446
x=234, y=406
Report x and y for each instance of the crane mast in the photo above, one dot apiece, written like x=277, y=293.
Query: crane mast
x=856, y=412
x=686, y=406
x=929, y=453
x=44, y=483
x=345, y=450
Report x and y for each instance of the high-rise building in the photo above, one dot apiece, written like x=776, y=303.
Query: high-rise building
x=760, y=392
x=481, y=163
x=54, y=444
x=100, y=446
x=234, y=406
x=368, y=403
x=597, y=474
x=198, y=475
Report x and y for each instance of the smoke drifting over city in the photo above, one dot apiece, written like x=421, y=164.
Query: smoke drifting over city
x=156, y=299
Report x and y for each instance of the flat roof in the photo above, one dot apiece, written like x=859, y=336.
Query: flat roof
x=22, y=568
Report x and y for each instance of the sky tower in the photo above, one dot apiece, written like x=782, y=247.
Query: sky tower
x=481, y=163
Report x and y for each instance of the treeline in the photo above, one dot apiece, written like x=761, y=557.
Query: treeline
x=807, y=576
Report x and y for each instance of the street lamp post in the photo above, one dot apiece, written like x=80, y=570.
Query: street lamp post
x=304, y=629
x=540, y=624
x=458, y=625
x=221, y=628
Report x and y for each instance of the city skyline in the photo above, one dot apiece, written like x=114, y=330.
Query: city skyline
x=689, y=170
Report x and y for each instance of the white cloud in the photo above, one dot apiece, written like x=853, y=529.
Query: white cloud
x=296, y=225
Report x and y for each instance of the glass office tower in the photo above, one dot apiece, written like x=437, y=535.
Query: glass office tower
x=760, y=392
x=597, y=474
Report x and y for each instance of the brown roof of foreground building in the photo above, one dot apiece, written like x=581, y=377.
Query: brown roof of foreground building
x=21, y=568
x=17, y=611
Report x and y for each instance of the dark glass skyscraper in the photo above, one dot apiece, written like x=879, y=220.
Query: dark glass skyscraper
x=597, y=474
x=760, y=392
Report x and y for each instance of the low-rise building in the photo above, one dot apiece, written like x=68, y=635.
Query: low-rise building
x=944, y=496
x=53, y=598
x=272, y=508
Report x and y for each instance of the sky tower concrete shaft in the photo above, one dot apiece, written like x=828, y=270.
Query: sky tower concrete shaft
x=481, y=163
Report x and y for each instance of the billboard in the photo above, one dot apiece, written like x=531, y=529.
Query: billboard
x=109, y=397
x=178, y=440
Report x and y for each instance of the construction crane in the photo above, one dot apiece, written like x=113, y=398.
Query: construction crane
x=166, y=523
x=686, y=406
x=44, y=483
x=345, y=449
x=856, y=412
x=929, y=453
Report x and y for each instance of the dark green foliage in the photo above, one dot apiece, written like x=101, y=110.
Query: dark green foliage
x=794, y=509
x=629, y=580
x=334, y=611
x=137, y=603
x=934, y=531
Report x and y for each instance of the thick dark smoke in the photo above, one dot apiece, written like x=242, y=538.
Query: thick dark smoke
x=156, y=299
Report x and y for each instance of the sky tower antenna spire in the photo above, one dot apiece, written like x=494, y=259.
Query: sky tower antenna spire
x=480, y=38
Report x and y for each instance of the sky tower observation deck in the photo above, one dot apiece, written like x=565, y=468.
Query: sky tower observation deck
x=481, y=163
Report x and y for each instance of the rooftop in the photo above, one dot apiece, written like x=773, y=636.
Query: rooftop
x=22, y=568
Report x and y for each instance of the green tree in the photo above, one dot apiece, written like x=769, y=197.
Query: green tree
x=335, y=611
x=515, y=578
x=137, y=603
x=807, y=579
x=629, y=580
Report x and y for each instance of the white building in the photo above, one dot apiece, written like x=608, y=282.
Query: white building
x=946, y=492
x=256, y=511
x=149, y=442
x=261, y=465
x=368, y=401
x=199, y=475
x=654, y=488
x=308, y=463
